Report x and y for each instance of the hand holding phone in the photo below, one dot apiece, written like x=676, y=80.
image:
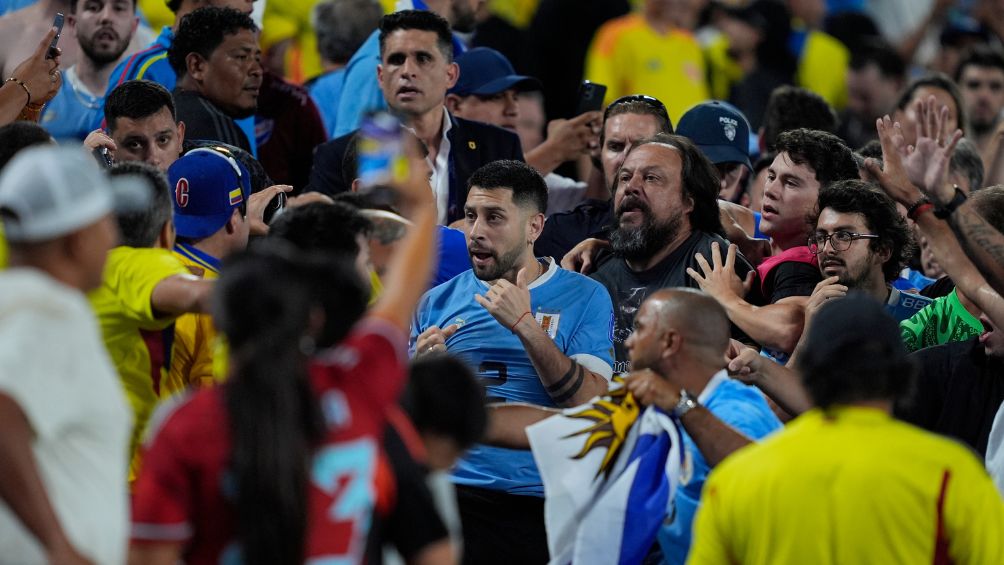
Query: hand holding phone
x=57, y=23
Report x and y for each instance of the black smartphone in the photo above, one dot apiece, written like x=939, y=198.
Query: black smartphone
x=57, y=23
x=103, y=157
x=591, y=95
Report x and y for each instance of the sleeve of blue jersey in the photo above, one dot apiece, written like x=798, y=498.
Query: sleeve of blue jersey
x=591, y=342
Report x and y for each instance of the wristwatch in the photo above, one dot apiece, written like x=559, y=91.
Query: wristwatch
x=943, y=212
x=686, y=403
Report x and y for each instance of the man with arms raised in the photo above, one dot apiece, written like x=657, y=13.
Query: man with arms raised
x=533, y=332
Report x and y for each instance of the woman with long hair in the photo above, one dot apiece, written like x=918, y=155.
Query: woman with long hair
x=278, y=465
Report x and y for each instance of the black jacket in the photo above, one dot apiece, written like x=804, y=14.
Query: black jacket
x=472, y=144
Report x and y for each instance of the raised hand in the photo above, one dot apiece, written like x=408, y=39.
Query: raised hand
x=927, y=163
x=719, y=279
x=508, y=303
x=893, y=177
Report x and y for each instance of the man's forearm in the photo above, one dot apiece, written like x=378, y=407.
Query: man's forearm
x=507, y=424
x=784, y=387
x=567, y=382
x=777, y=326
x=716, y=439
x=956, y=263
x=181, y=294
x=982, y=243
x=21, y=485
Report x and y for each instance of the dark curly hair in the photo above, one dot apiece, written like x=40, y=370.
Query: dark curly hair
x=791, y=107
x=881, y=217
x=823, y=152
x=699, y=179
x=202, y=32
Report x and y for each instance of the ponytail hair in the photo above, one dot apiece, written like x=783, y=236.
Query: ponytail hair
x=268, y=304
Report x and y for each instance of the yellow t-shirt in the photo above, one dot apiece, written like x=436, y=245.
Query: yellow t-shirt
x=195, y=338
x=629, y=57
x=850, y=486
x=131, y=330
x=823, y=68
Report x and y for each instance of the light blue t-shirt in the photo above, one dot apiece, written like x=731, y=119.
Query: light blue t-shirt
x=73, y=112
x=573, y=309
x=743, y=408
x=903, y=305
x=326, y=91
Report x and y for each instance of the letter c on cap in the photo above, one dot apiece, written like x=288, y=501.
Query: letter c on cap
x=181, y=192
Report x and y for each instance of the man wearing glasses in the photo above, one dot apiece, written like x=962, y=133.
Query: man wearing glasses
x=861, y=243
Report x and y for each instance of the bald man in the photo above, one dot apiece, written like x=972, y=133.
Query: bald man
x=678, y=352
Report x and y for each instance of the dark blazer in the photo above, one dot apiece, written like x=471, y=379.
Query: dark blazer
x=472, y=144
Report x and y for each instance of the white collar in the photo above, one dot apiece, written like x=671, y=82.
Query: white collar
x=552, y=267
x=709, y=389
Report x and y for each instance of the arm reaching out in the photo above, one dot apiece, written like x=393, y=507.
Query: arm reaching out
x=410, y=268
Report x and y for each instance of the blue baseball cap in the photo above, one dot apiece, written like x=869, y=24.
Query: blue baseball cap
x=485, y=71
x=720, y=130
x=209, y=184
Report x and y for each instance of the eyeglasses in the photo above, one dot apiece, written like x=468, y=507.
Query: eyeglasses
x=649, y=101
x=839, y=240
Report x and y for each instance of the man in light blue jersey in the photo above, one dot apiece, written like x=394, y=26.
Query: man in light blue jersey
x=862, y=243
x=104, y=29
x=533, y=332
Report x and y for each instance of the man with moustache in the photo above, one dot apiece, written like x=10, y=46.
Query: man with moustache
x=218, y=61
x=665, y=212
x=861, y=243
x=532, y=332
x=104, y=29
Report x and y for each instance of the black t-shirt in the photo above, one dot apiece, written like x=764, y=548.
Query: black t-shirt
x=791, y=278
x=564, y=230
x=204, y=120
x=414, y=522
x=628, y=289
x=959, y=390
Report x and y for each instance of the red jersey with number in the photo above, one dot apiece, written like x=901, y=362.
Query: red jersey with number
x=185, y=492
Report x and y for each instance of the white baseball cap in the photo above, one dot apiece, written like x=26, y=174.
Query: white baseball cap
x=49, y=191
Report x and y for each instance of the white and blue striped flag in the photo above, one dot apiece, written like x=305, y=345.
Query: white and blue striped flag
x=609, y=478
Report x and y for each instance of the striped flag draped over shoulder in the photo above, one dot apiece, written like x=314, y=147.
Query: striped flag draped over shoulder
x=610, y=471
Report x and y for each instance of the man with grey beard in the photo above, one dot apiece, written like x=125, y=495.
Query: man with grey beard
x=665, y=213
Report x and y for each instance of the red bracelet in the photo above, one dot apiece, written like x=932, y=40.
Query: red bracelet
x=917, y=211
x=513, y=328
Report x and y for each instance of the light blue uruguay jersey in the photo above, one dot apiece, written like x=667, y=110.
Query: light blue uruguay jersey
x=73, y=112
x=903, y=305
x=574, y=310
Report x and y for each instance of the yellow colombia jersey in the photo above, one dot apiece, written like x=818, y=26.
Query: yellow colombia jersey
x=630, y=57
x=822, y=68
x=195, y=341
x=131, y=330
x=852, y=485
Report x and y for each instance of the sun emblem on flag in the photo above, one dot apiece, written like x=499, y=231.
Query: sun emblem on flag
x=611, y=417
